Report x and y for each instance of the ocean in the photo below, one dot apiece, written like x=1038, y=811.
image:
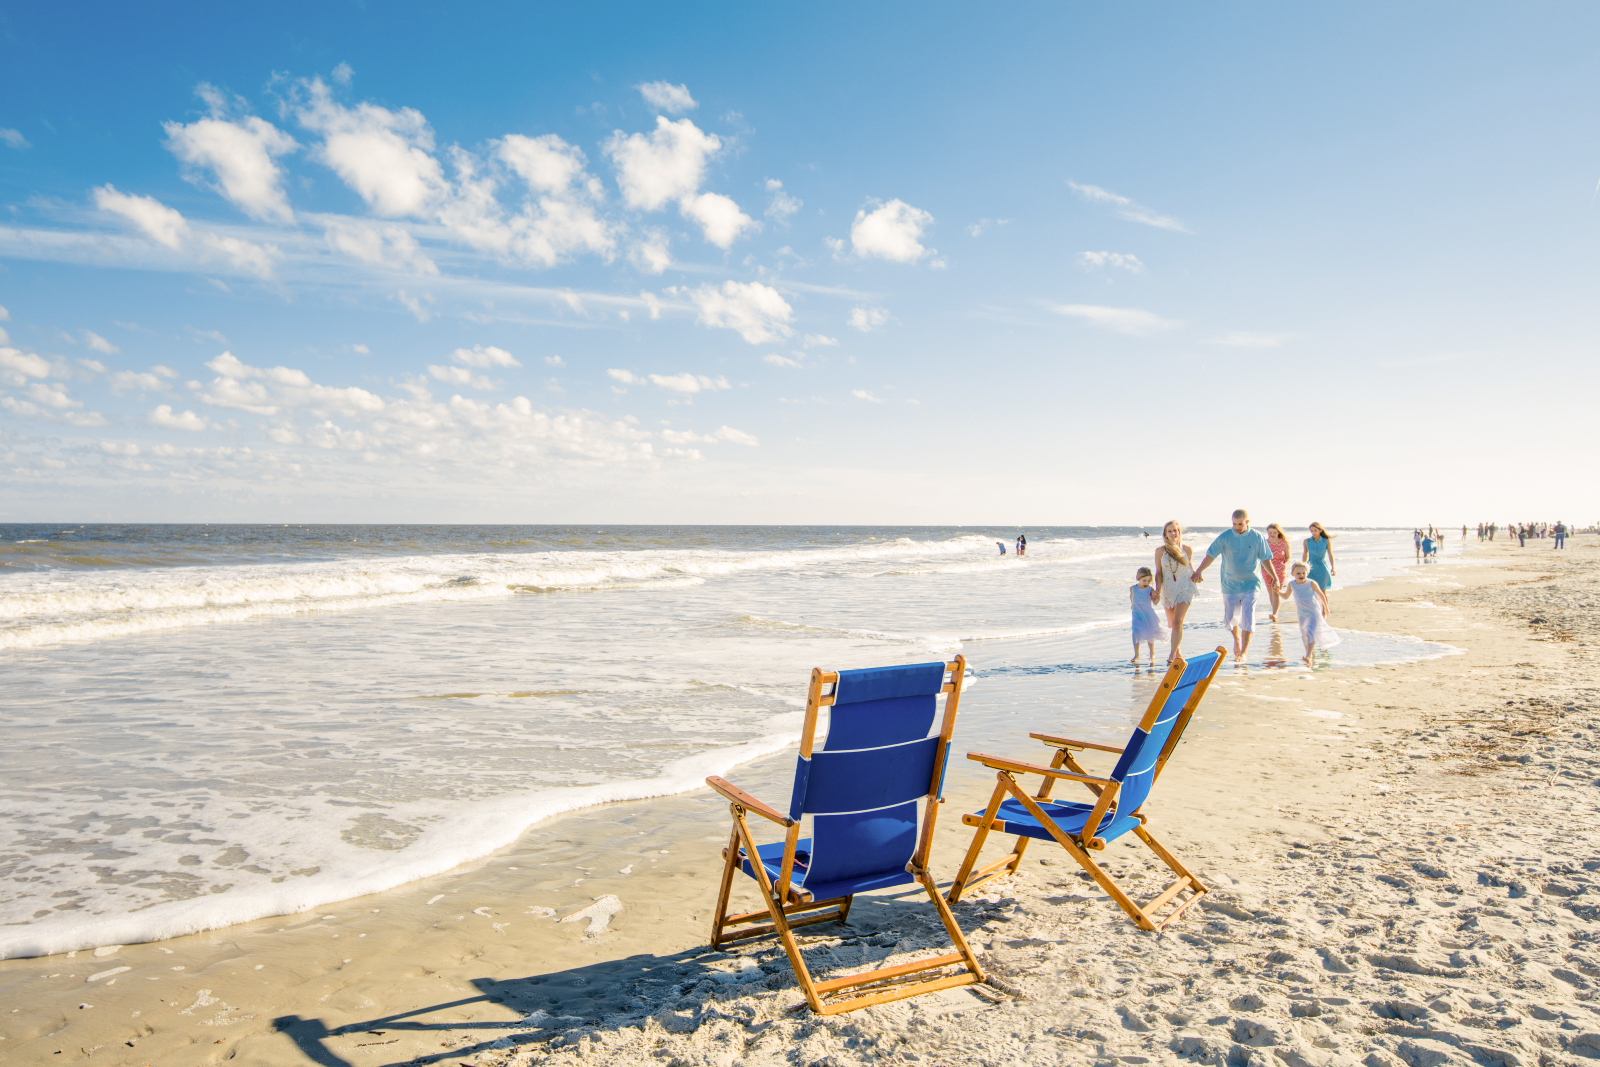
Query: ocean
x=203, y=725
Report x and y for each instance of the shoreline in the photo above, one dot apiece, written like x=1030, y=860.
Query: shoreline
x=482, y=934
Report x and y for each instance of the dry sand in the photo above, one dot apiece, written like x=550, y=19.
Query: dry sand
x=1405, y=866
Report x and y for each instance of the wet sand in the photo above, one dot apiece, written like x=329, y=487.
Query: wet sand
x=1404, y=858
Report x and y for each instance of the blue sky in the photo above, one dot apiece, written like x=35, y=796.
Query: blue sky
x=797, y=263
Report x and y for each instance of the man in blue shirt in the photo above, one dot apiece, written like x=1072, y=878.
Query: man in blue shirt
x=1242, y=551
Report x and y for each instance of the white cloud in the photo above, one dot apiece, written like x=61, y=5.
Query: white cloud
x=1131, y=321
x=554, y=361
x=1124, y=208
x=867, y=319
x=459, y=376
x=363, y=349
x=28, y=409
x=892, y=231
x=417, y=305
x=652, y=254
x=758, y=312
x=17, y=366
x=977, y=228
x=239, y=154
x=160, y=223
x=14, y=138
x=547, y=163
x=783, y=205
x=5, y=316
x=383, y=245
x=665, y=165
x=164, y=417
x=725, y=433
x=384, y=156
x=652, y=302
x=484, y=356
x=268, y=390
x=127, y=381
x=99, y=344
x=818, y=340
x=664, y=96
x=54, y=395
x=167, y=227
x=673, y=383
x=689, y=383
x=780, y=361
x=1096, y=260
x=1246, y=339
x=862, y=394
x=668, y=165
x=719, y=217
x=557, y=219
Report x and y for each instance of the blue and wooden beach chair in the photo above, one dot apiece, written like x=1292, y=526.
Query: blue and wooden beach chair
x=1120, y=798
x=863, y=790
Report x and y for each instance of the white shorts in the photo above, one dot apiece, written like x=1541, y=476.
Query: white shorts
x=1239, y=609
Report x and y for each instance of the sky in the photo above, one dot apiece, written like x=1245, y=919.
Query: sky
x=1047, y=264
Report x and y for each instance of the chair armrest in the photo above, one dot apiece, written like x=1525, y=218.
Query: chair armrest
x=1065, y=742
x=1000, y=763
x=746, y=801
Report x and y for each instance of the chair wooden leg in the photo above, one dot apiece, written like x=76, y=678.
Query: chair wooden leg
x=1080, y=854
x=779, y=919
x=720, y=920
x=971, y=858
x=950, y=925
x=1186, y=880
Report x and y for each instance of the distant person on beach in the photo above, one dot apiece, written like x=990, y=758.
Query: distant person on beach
x=1319, y=555
x=1241, y=550
x=1022, y=544
x=1416, y=541
x=1146, y=625
x=1561, y=534
x=1522, y=535
x=1278, y=542
x=1311, y=606
x=1174, y=581
x=1428, y=548
x=1002, y=547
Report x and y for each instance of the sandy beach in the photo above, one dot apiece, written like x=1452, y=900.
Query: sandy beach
x=1404, y=862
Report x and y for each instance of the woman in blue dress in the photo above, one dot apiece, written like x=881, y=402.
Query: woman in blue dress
x=1319, y=555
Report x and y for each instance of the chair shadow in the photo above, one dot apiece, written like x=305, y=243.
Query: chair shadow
x=612, y=994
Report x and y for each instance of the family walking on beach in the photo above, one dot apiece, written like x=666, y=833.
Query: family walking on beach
x=1242, y=551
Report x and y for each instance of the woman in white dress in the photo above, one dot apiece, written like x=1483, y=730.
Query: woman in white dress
x=1175, y=581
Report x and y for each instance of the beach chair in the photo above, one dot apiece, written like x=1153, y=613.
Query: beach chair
x=862, y=790
x=1117, y=807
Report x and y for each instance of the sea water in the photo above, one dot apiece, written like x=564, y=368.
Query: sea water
x=201, y=725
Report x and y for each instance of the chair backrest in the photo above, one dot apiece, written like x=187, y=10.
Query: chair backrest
x=1148, y=748
x=862, y=789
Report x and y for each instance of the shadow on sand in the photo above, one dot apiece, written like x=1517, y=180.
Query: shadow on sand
x=679, y=991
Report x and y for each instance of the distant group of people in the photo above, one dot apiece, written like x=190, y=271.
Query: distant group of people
x=1429, y=542
x=1523, y=531
x=1022, y=545
x=1244, y=553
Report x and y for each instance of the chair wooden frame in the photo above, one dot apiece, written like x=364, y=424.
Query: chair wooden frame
x=1065, y=767
x=788, y=907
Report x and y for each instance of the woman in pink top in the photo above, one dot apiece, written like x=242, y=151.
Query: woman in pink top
x=1279, y=543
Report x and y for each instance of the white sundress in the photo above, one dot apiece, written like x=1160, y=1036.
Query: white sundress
x=1314, y=629
x=1146, y=623
x=1176, y=585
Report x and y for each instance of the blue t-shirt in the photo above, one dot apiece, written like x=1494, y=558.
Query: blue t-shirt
x=1239, y=553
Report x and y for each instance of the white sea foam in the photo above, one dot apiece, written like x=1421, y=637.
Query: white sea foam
x=463, y=834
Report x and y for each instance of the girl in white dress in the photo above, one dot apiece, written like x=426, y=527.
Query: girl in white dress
x=1174, y=580
x=1146, y=624
x=1311, y=608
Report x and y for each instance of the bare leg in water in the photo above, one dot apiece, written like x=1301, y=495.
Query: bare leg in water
x=1175, y=616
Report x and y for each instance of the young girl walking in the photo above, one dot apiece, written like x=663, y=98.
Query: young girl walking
x=1174, y=580
x=1278, y=542
x=1311, y=605
x=1146, y=624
